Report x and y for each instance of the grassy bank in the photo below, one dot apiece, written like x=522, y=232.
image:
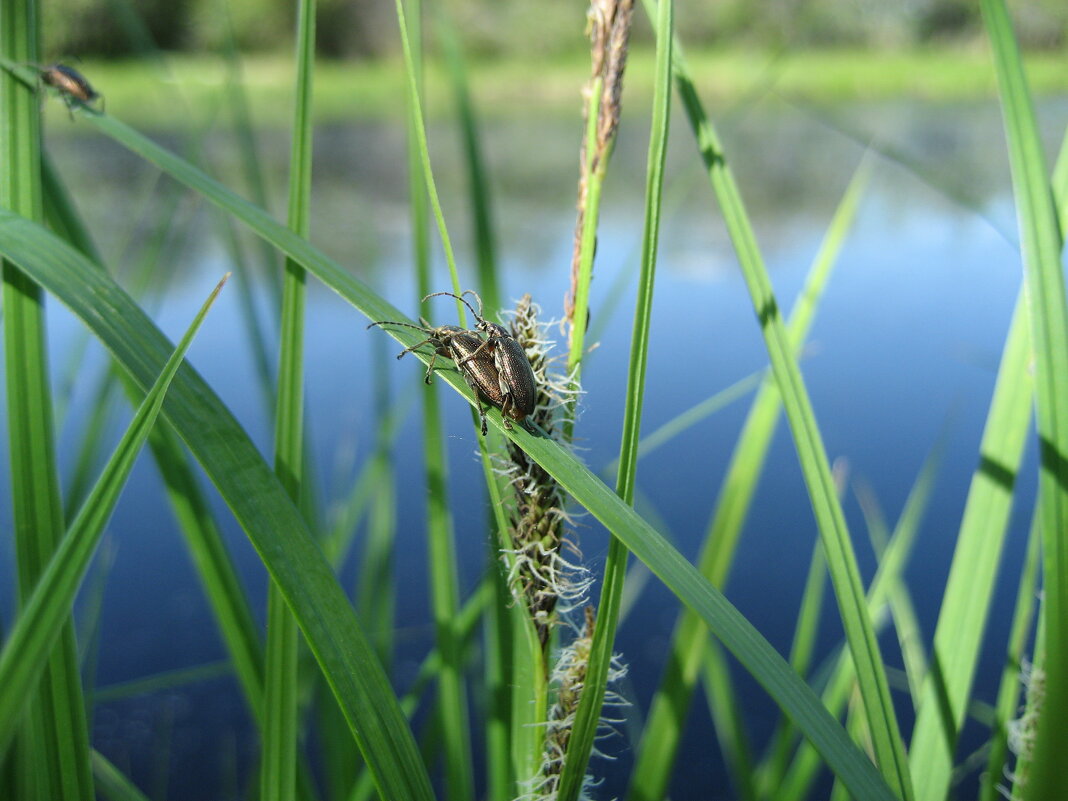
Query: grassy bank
x=140, y=91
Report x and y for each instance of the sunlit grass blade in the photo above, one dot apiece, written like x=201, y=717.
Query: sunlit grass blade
x=887, y=745
x=444, y=590
x=1007, y=706
x=466, y=626
x=783, y=739
x=667, y=714
x=41, y=621
x=54, y=753
x=278, y=761
x=898, y=597
x=218, y=575
x=1041, y=242
x=726, y=712
x=112, y=783
x=587, y=718
x=888, y=577
x=260, y=505
x=478, y=184
x=166, y=680
x=970, y=586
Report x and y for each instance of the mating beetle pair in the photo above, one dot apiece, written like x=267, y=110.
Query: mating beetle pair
x=496, y=368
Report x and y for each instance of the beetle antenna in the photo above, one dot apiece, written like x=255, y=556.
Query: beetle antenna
x=406, y=325
x=477, y=297
x=478, y=315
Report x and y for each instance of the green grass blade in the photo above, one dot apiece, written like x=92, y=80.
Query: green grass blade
x=478, y=185
x=112, y=783
x=444, y=589
x=659, y=744
x=253, y=493
x=1041, y=243
x=42, y=619
x=587, y=718
x=165, y=680
x=1007, y=706
x=782, y=741
x=841, y=561
x=56, y=743
x=893, y=560
x=900, y=601
x=230, y=606
x=278, y=760
x=970, y=586
x=726, y=713
x=754, y=652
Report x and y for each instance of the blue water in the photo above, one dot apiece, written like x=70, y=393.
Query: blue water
x=902, y=354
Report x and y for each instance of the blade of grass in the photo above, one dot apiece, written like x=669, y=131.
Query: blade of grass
x=477, y=184
x=1041, y=243
x=165, y=680
x=112, y=783
x=1007, y=706
x=216, y=570
x=726, y=713
x=888, y=577
x=54, y=756
x=845, y=577
x=659, y=745
x=782, y=741
x=253, y=493
x=278, y=760
x=43, y=617
x=587, y=718
x=738, y=635
x=444, y=589
x=899, y=599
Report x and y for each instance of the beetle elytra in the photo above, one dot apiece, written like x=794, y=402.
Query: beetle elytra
x=518, y=385
x=463, y=347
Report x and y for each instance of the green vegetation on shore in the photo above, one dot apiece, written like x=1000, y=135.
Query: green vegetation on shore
x=136, y=91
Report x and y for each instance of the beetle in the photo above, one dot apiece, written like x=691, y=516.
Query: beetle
x=513, y=367
x=463, y=348
x=71, y=84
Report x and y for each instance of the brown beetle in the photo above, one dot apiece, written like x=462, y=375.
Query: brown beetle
x=513, y=367
x=71, y=85
x=463, y=348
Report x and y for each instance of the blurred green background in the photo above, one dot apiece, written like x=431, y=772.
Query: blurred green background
x=366, y=28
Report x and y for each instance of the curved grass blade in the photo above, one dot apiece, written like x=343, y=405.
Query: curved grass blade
x=973, y=572
x=260, y=505
x=1008, y=701
x=43, y=618
x=216, y=570
x=444, y=590
x=663, y=730
x=55, y=756
x=841, y=561
x=726, y=622
x=278, y=760
x=1041, y=242
x=587, y=718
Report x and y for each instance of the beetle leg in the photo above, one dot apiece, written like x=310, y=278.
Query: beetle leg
x=430, y=367
x=414, y=347
x=506, y=404
x=475, y=353
x=478, y=402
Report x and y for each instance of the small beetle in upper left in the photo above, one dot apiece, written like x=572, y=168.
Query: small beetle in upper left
x=71, y=84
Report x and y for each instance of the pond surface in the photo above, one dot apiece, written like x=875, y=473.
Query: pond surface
x=902, y=356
